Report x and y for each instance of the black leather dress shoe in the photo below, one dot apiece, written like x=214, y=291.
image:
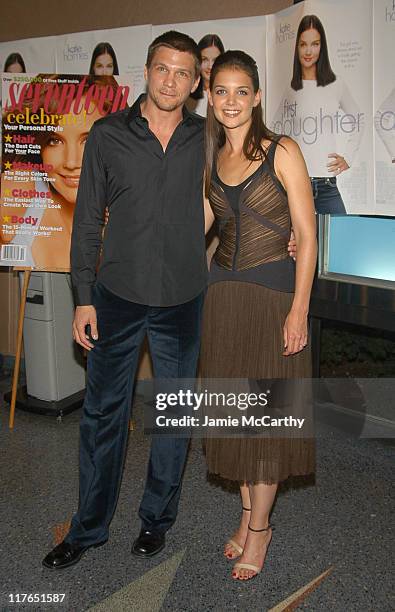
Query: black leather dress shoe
x=148, y=544
x=65, y=555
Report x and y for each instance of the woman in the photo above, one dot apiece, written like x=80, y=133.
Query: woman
x=210, y=47
x=309, y=112
x=48, y=202
x=104, y=61
x=14, y=63
x=255, y=314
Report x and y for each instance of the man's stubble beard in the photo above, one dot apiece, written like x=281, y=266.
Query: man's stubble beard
x=172, y=106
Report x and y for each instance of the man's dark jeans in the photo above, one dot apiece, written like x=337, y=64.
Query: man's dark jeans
x=174, y=338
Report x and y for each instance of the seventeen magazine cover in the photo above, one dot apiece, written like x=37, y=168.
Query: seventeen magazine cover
x=46, y=121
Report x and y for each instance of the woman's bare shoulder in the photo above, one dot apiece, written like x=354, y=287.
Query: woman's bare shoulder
x=287, y=146
x=289, y=158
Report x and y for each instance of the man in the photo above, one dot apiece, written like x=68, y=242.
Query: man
x=146, y=165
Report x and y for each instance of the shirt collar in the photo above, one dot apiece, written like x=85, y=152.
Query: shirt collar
x=135, y=112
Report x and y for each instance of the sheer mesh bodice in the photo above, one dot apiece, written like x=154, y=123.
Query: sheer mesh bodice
x=254, y=226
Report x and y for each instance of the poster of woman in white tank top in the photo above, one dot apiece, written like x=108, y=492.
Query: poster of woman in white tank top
x=319, y=92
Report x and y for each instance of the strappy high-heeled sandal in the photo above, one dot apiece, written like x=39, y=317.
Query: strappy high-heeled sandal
x=235, y=545
x=250, y=566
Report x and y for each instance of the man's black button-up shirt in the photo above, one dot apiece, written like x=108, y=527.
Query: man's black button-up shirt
x=153, y=245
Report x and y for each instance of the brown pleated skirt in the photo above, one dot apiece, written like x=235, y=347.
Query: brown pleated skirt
x=243, y=338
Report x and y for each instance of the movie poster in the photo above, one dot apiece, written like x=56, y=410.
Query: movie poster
x=106, y=52
x=46, y=121
x=319, y=75
x=384, y=105
x=28, y=55
x=247, y=34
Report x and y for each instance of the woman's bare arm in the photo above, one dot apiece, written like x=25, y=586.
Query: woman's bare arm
x=291, y=170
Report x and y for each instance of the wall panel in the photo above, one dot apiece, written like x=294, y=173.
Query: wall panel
x=40, y=18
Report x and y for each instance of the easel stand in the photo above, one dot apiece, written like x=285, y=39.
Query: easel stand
x=19, y=340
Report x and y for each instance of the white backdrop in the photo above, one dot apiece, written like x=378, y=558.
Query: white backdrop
x=368, y=187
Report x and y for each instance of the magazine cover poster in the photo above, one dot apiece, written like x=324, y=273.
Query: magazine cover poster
x=106, y=52
x=384, y=105
x=319, y=76
x=215, y=37
x=46, y=122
